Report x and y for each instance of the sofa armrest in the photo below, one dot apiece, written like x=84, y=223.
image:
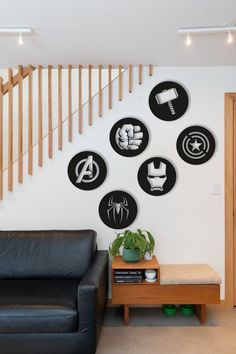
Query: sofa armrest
x=92, y=297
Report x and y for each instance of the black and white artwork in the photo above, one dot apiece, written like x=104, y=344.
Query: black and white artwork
x=156, y=176
x=129, y=137
x=118, y=209
x=195, y=145
x=87, y=170
x=168, y=100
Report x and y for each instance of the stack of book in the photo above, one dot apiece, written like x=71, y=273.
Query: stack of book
x=128, y=276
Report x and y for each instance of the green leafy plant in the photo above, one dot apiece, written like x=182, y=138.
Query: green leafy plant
x=133, y=240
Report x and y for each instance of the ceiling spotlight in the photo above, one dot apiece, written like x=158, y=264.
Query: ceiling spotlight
x=188, y=40
x=230, y=37
x=20, y=39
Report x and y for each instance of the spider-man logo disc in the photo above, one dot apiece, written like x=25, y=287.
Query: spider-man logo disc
x=118, y=209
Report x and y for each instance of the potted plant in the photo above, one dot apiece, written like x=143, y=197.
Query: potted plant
x=135, y=244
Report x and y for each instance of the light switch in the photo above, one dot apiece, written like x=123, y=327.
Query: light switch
x=217, y=189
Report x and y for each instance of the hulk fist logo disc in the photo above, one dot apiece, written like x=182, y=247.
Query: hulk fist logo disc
x=129, y=137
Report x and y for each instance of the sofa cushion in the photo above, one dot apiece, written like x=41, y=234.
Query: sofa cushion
x=188, y=274
x=46, y=254
x=38, y=306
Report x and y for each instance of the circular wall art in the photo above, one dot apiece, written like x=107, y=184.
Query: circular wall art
x=195, y=145
x=118, y=209
x=87, y=170
x=168, y=100
x=156, y=176
x=129, y=137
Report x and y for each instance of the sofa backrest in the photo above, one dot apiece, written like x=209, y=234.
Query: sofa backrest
x=46, y=254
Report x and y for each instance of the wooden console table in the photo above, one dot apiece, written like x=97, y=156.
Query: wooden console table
x=145, y=293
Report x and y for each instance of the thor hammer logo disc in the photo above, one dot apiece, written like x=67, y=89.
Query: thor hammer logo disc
x=129, y=137
x=195, y=145
x=168, y=100
x=156, y=176
x=87, y=170
x=118, y=209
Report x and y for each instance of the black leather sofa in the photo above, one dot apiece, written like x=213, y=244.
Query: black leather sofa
x=53, y=292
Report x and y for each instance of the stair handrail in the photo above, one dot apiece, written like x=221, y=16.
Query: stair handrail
x=15, y=79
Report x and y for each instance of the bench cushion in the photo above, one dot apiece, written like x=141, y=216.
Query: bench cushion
x=188, y=274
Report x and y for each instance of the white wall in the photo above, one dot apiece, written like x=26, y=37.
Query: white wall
x=188, y=222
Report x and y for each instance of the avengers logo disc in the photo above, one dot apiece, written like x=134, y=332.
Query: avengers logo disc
x=87, y=170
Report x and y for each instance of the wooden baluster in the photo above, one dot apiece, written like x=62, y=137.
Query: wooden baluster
x=130, y=78
x=100, y=90
x=10, y=131
x=109, y=87
x=1, y=138
x=30, y=122
x=50, y=134
x=40, y=118
x=140, y=74
x=80, y=126
x=60, y=107
x=69, y=105
x=120, y=83
x=90, y=106
x=150, y=69
x=20, y=125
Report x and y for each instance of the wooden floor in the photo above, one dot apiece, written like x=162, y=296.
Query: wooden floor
x=150, y=332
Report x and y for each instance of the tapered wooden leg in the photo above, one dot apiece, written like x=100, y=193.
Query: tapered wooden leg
x=200, y=311
x=126, y=314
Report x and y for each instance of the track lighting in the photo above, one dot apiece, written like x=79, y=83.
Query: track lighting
x=16, y=31
x=206, y=30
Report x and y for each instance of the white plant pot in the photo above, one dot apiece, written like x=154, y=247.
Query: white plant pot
x=148, y=256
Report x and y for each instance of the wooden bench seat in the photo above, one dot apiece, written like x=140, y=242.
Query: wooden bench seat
x=196, y=284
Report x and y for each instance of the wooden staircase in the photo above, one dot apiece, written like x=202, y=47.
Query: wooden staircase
x=7, y=140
